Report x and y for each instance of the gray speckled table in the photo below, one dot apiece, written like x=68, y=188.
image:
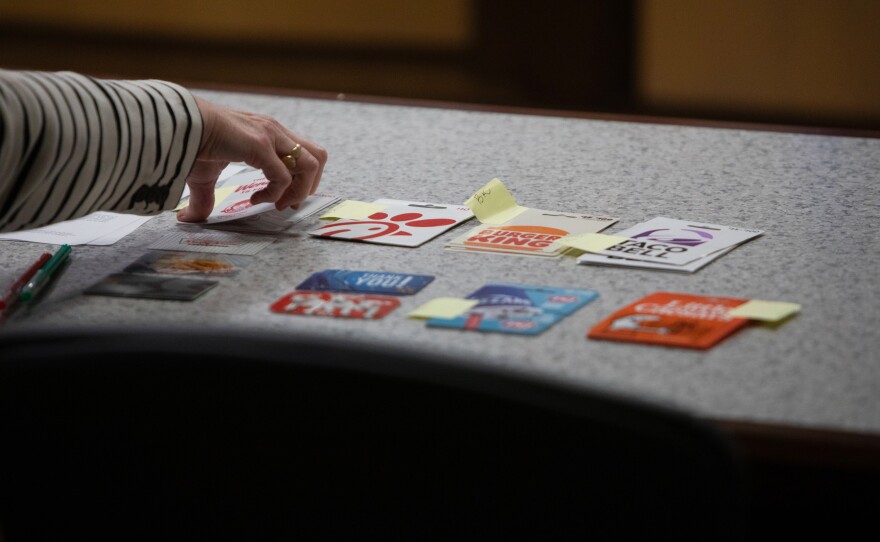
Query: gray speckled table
x=817, y=198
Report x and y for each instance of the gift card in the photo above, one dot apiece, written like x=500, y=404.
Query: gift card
x=519, y=309
x=274, y=221
x=373, y=282
x=189, y=263
x=616, y=261
x=218, y=242
x=401, y=223
x=237, y=204
x=675, y=242
x=151, y=287
x=690, y=321
x=532, y=232
x=335, y=305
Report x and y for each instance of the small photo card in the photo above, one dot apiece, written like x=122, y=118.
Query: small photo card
x=151, y=287
x=189, y=263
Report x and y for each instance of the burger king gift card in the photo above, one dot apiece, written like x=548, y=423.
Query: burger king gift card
x=533, y=232
x=689, y=321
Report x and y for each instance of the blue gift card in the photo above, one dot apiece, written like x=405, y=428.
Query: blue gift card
x=521, y=309
x=376, y=282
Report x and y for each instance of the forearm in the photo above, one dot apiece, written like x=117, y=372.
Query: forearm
x=71, y=145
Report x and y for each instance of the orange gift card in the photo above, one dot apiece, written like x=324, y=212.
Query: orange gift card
x=690, y=321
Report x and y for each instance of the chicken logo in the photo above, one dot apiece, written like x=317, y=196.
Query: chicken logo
x=381, y=225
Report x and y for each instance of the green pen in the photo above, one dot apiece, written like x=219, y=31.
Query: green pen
x=42, y=276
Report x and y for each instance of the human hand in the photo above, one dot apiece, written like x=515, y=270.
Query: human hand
x=260, y=142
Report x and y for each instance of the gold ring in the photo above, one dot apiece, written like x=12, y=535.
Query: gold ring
x=290, y=159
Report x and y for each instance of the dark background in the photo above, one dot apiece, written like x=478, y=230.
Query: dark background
x=807, y=62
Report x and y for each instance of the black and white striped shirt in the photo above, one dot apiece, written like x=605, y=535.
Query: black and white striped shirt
x=71, y=145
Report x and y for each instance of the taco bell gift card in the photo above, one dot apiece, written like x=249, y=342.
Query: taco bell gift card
x=335, y=305
x=669, y=319
x=401, y=223
x=519, y=309
x=371, y=282
x=669, y=241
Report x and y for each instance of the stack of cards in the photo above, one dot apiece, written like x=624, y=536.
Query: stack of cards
x=233, y=210
x=532, y=232
x=519, y=309
x=274, y=221
x=179, y=254
x=670, y=245
x=690, y=321
x=339, y=293
x=400, y=223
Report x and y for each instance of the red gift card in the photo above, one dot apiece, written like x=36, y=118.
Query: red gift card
x=690, y=321
x=336, y=305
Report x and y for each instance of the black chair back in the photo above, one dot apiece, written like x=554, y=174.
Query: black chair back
x=196, y=435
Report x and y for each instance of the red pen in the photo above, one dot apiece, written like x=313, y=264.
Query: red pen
x=12, y=294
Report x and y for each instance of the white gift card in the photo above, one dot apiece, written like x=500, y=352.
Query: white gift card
x=237, y=204
x=219, y=242
x=277, y=221
x=401, y=223
x=676, y=242
x=616, y=261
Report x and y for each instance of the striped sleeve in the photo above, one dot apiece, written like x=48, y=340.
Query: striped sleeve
x=71, y=145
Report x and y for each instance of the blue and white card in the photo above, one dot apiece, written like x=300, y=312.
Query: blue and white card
x=515, y=308
x=373, y=282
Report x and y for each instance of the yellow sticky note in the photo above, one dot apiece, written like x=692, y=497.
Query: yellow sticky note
x=443, y=307
x=219, y=195
x=591, y=242
x=493, y=204
x=352, y=209
x=767, y=311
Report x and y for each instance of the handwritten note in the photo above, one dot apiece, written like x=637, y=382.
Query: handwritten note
x=352, y=210
x=493, y=204
x=443, y=307
x=766, y=311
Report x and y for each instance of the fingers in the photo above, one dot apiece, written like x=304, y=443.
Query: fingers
x=201, y=181
x=319, y=154
x=261, y=141
x=279, y=177
x=304, y=177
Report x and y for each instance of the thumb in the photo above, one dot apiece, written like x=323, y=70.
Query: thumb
x=201, y=180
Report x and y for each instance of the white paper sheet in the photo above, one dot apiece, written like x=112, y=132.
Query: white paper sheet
x=101, y=228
